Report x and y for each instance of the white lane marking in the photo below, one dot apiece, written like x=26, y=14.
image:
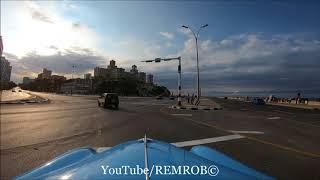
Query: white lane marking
x=285, y=112
x=207, y=140
x=148, y=103
x=181, y=115
x=274, y=117
x=247, y=132
x=190, y=143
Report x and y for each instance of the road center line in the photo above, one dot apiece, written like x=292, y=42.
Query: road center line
x=276, y=117
x=181, y=115
x=207, y=140
x=253, y=138
x=285, y=112
x=247, y=132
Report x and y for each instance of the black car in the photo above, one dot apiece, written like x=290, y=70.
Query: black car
x=258, y=101
x=109, y=100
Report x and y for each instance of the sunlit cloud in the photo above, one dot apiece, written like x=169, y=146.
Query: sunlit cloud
x=33, y=27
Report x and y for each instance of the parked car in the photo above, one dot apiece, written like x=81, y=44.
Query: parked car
x=171, y=97
x=258, y=101
x=109, y=100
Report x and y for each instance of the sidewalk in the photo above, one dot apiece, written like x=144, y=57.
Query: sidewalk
x=205, y=104
x=303, y=106
x=9, y=97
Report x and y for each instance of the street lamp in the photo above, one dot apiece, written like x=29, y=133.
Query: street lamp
x=157, y=60
x=72, y=87
x=196, y=38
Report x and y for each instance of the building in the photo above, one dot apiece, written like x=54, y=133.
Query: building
x=100, y=72
x=27, y=80
x=87, y=76
x=142, y=76
x=114, y=72
x=112, y=65
x=149, y=79
x=76, y=86
x=134, y=70
x=5, y=74
x=111, y=72
x=46, y=74
x=58, y=78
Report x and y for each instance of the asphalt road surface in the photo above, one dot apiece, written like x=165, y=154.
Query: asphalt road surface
x=279, y=141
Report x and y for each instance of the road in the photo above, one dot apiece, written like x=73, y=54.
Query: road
x=280, y=141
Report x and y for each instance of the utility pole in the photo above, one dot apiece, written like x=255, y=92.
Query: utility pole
x=73, y=66
x=157, y=60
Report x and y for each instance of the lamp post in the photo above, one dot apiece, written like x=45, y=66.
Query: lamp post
x=72, y=87
x=157, y=60
x=198, y=75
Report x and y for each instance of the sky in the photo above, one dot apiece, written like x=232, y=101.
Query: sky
x=249, y=46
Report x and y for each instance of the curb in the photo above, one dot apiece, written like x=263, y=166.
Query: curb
x=34, y=99
x=30, y=101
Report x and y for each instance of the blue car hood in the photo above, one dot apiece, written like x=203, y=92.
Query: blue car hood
x=87, y=163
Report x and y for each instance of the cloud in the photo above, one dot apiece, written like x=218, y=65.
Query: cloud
x=35, y=26
x=60, y=63
x=249, y=62
x=37, y=15
x=167, y=35
x=37, y=36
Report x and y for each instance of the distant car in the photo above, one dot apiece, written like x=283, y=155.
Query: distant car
x=109, y=100
x=20, y=90
x=159, y=97
x=258, y=101
x=171, y=97
x=13, y=90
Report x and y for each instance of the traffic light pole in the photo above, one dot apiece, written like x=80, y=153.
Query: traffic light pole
x=157, y=60
x=179, y=82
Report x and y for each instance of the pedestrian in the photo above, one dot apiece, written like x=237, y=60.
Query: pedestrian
x=197, y=100
x=298, y=98
x=188, y=98
x=192, y=98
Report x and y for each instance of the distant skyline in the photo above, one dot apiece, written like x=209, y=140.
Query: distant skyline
x=248, y=45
